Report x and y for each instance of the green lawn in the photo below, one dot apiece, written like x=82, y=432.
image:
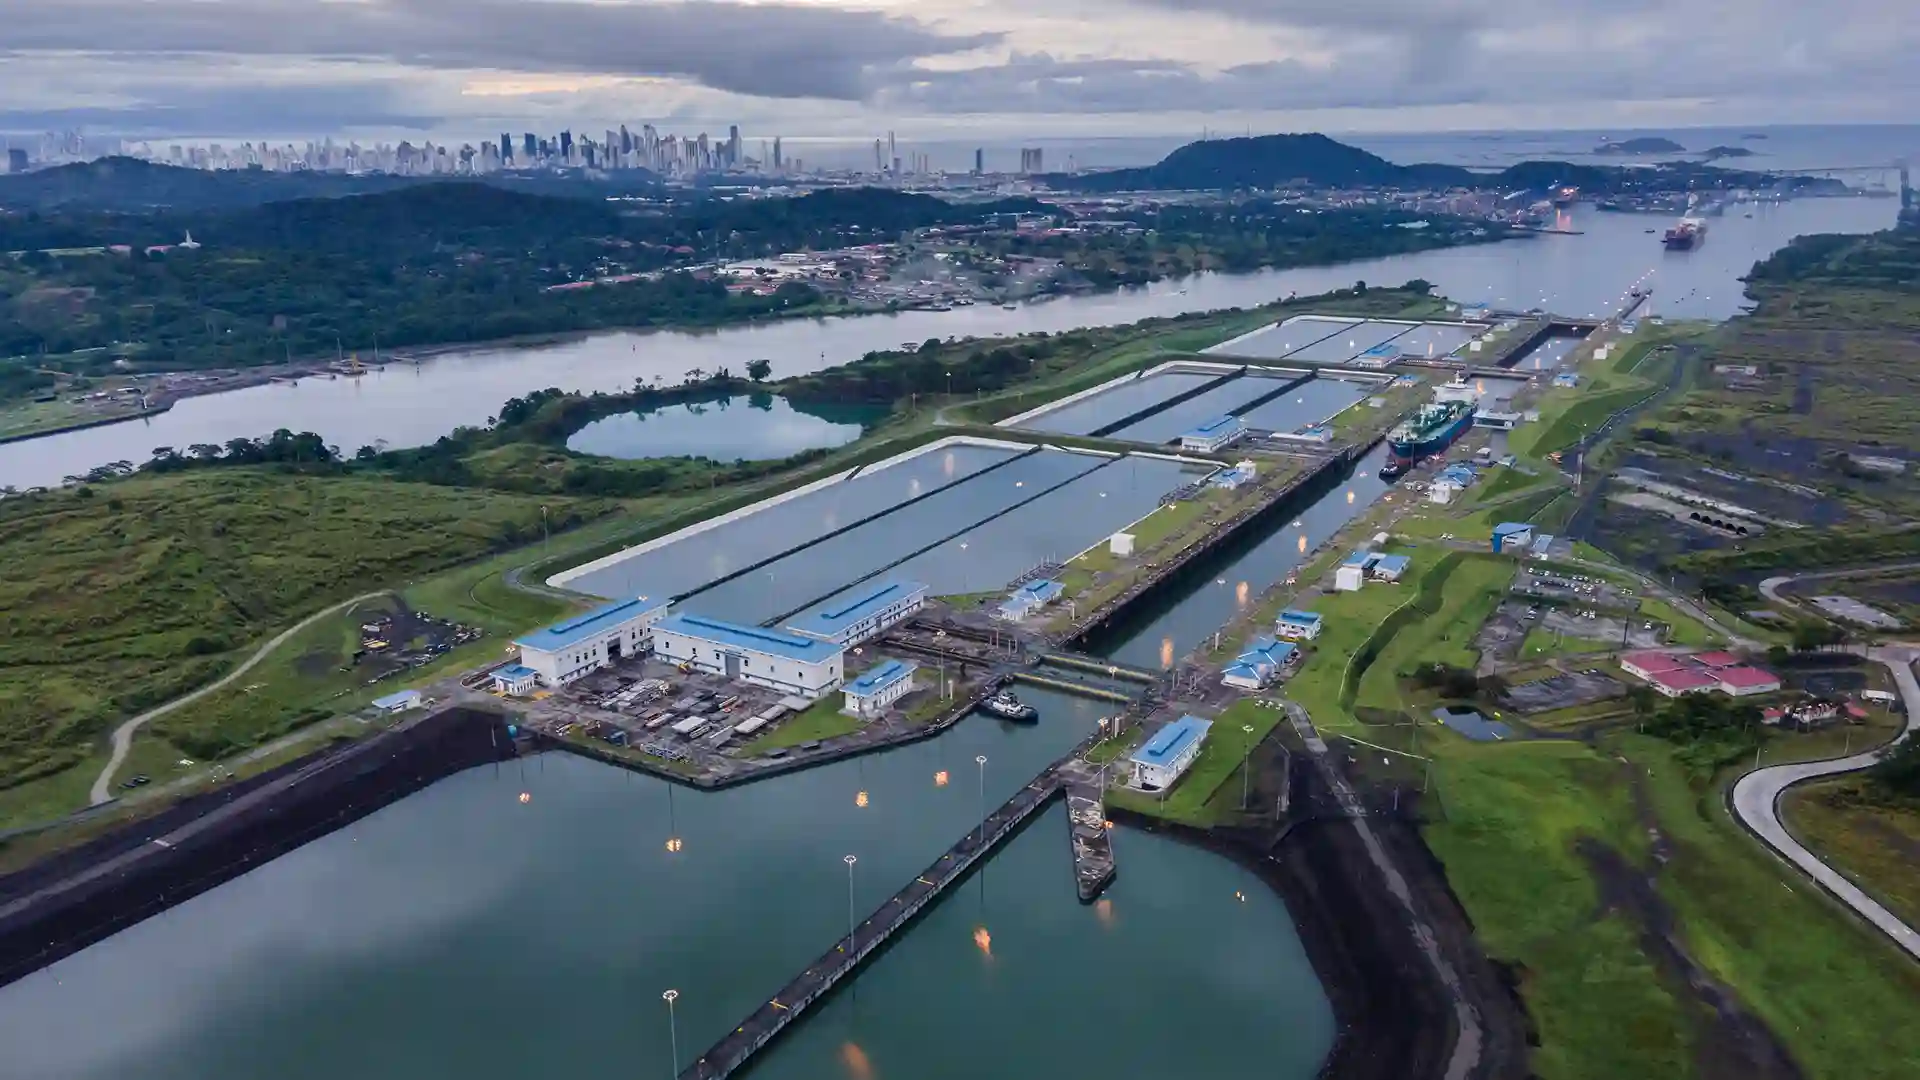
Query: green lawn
x=1682, y=629
x=1508, y=830
x=1204, y=795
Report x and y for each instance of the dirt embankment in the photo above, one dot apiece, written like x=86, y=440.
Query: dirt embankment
x=65, y=903
x=1395, y=1019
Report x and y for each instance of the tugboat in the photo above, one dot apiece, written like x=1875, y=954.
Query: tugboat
x=1007, y=707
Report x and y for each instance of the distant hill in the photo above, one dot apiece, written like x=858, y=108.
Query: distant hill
x=1268, y=161
x=1715, y=153
x=1277, y=161
x=130, y=185
x=1648, y=145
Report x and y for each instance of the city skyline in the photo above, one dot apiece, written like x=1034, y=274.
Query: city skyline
x=947, y=70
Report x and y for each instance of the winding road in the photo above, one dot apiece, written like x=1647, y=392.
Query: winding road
x=1755, y=800
x=123, y=735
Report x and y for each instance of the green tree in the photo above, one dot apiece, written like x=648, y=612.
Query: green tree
x=759, y=369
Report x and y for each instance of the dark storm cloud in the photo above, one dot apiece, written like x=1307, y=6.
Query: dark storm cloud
x=763, y=50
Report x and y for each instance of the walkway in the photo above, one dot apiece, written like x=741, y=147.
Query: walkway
x=123, y=735
x=1755, y=801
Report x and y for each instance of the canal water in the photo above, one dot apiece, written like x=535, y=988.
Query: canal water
x=463, y=933
x=738, y=427
x=407, y=405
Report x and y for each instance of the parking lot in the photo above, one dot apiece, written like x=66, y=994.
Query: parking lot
x=1574, y=589
x=1563, y=691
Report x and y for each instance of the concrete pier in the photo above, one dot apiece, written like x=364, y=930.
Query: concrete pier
x=1088, y=830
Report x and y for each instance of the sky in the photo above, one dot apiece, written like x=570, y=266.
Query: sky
x=948, y=68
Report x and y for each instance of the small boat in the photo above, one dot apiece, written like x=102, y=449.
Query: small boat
x=1007, y=707
x=1009, y=307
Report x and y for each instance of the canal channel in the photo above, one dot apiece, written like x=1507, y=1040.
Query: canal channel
x=408, y=405
x=464, y=932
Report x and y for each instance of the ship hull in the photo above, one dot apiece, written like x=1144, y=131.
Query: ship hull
x=1404, y=453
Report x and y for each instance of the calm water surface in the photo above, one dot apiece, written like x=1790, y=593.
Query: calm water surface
x=462, y=933
x=741, y=427
x=411, y=405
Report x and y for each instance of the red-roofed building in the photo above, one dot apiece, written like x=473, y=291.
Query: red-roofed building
x=1745, y=681
x=1719, y=659
x=1643, y=665
x=1686, y=680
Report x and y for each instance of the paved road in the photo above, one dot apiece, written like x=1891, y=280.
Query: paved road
x=123, y=735
x=1756, y=802
x=1771, y=587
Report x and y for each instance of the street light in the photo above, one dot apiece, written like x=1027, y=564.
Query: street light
x=981, y=837
x=673, y=1027
x=849, y=860
x=1246, y=770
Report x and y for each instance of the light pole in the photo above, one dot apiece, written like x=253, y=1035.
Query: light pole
x=981, y=836
x=850, y=860
x=673, y=1027
x=1246, y=768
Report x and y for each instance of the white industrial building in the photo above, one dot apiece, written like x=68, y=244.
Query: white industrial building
x=879, y=687
x=1297, y=625
x=1159, y=764
x=1214, y=434
x=864, y=614
x=791, y=663
x=567, y=650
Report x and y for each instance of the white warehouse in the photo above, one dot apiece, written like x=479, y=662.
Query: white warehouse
x=863, y=614
x=791, y=663
x=567, y=650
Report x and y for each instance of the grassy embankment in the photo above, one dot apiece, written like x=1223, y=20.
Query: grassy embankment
x=1867, y=835
x=1530, y=832
x=1516, y=829
x=123, y=596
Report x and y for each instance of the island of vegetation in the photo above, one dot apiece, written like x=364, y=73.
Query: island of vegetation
x=1651, y=144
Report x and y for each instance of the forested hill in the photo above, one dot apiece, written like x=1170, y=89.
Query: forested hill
x=1272, y=161
x=1266, y=161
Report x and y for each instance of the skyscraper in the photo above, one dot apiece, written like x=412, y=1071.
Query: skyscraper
x=979, y=161
x=506, y=149
x=733, y=144
x=778, y=162
x=566, y=147
x=530, y=149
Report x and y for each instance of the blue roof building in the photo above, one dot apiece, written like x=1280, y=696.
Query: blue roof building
x=1512, y=535
x=791, y=663
x=583, y=627
x=399, y=702
x=1030, y=598
x=1361, y=559
x=1390, y=567
x=855, y=616
x=1298, y=624
x=1164, y=758
x=881, y=685
x=571, y=648
x=1258, y=665
x=1214, y=434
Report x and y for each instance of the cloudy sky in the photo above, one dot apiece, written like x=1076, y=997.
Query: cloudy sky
x=949, y=68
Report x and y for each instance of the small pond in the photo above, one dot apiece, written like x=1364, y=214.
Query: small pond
x=740, y=427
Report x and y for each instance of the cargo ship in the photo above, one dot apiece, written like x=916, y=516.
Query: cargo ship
x=1687, y=235
x=1429, y=431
